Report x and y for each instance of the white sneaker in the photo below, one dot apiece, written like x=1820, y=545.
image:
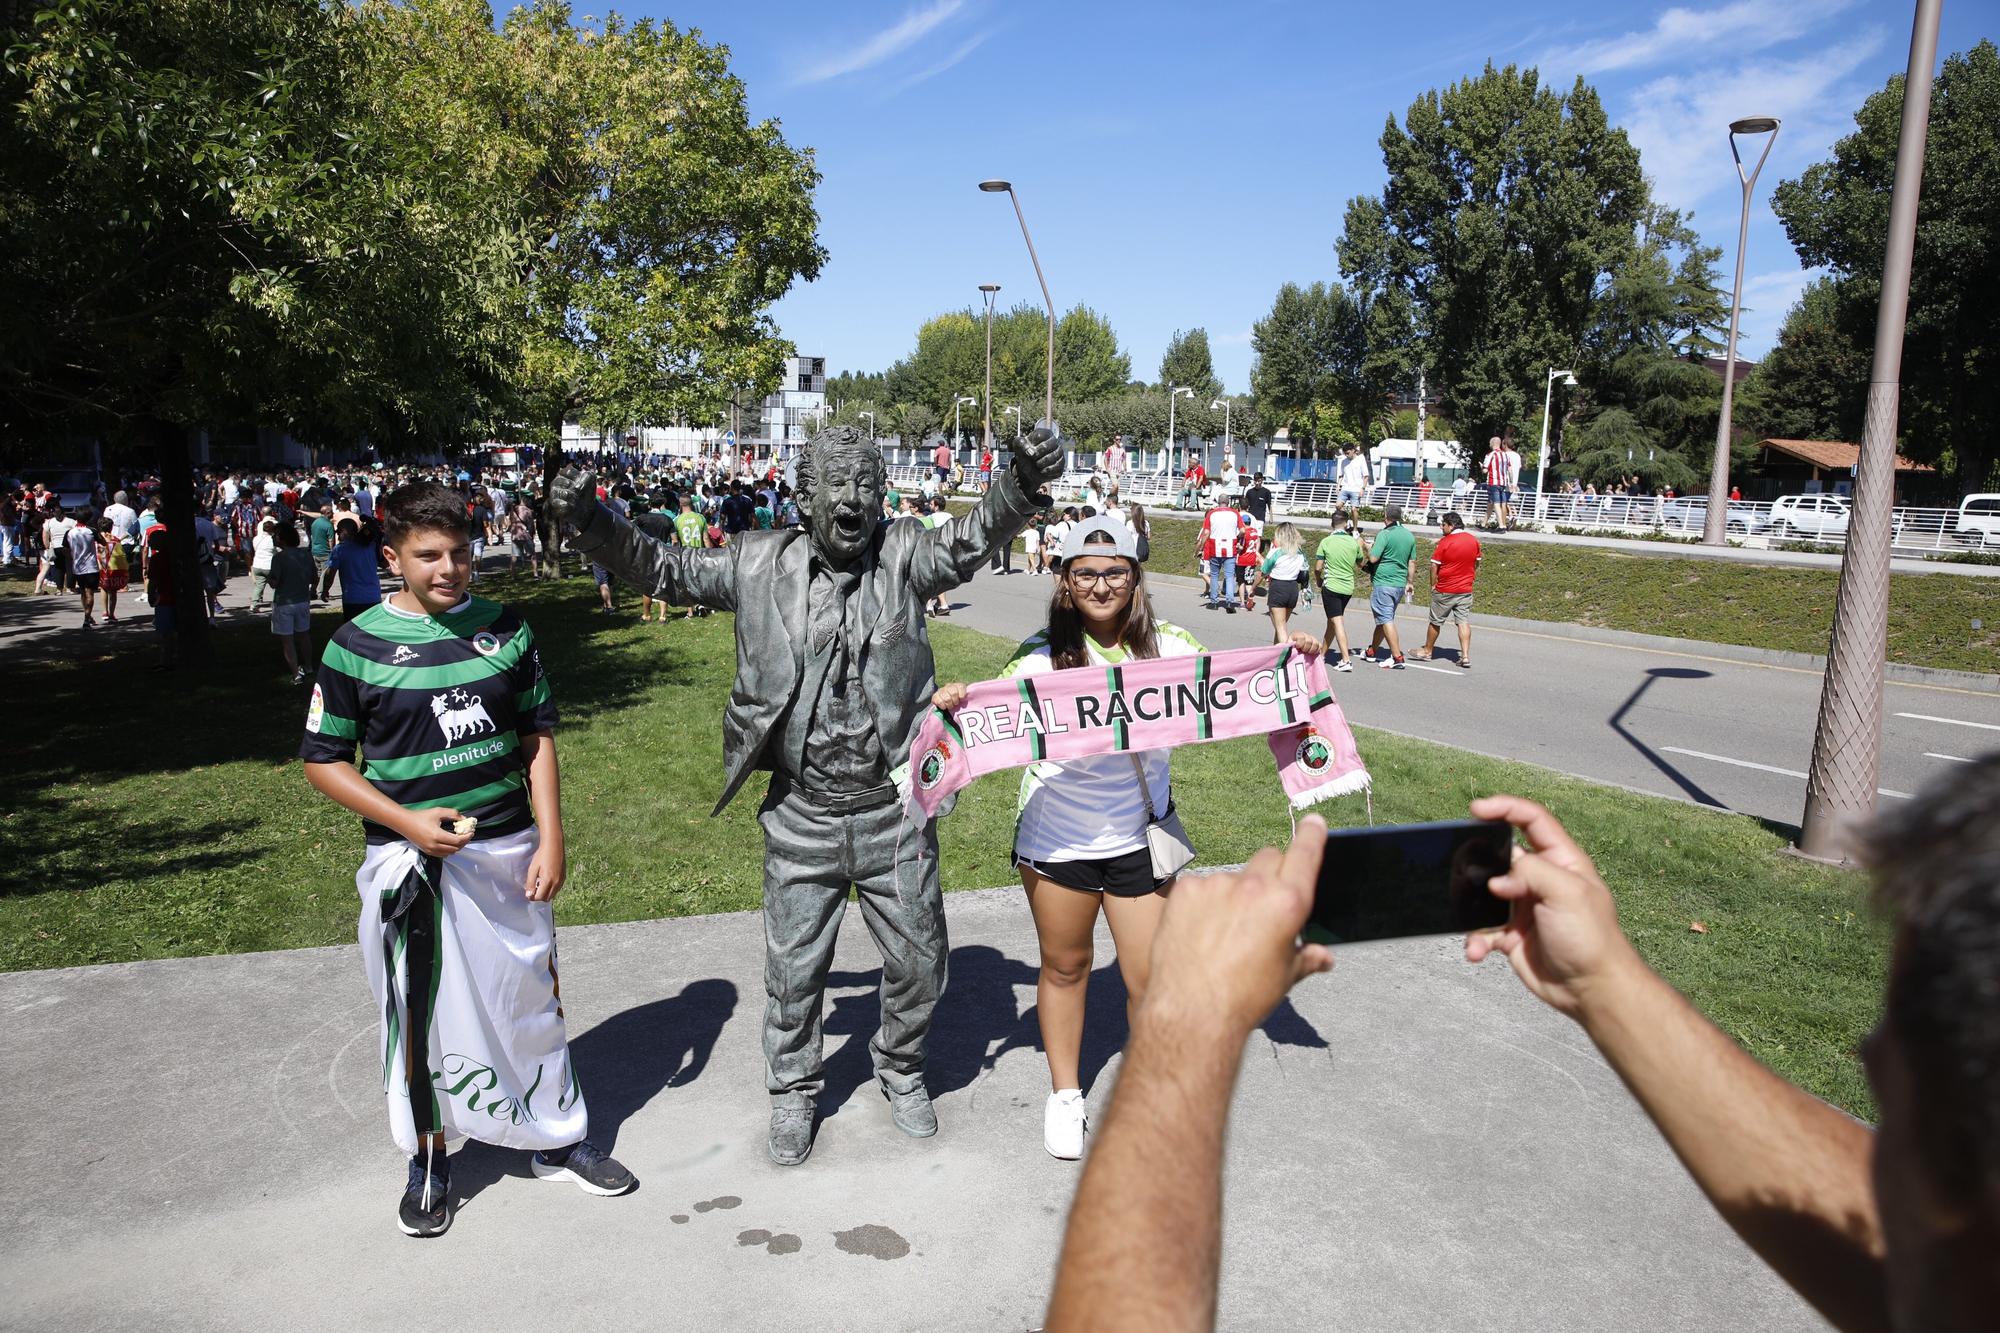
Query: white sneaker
x=1343, y=665
x=1063, y=1123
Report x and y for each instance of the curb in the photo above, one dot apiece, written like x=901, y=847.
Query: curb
x=1901, y=673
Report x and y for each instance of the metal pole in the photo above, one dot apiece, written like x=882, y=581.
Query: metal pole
x=1173, y=396
x=1847, y=748
x=994, y=187
x=992, y=290
x=1541, y=459
x=1715, y=528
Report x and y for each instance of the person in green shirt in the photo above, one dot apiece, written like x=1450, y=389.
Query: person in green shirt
x=1333, y=569
x=689, y=526
x=1389, y=566
x=322, y=539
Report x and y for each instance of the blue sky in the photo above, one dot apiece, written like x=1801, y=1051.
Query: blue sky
x=1178, y=162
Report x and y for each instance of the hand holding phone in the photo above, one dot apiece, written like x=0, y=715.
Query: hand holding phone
x=1410, y=879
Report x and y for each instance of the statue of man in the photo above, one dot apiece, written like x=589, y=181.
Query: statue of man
x=833, y=674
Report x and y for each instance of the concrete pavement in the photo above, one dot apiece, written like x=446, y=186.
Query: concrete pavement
x=1721, y=726
x=200, y=1144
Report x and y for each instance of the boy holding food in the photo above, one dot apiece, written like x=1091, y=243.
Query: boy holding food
x=457, y=791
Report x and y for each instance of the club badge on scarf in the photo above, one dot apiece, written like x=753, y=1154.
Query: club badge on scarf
x=1152, y=704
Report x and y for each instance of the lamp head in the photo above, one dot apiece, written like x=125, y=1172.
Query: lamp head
x=996, y=187
x=1217, y=403
x=989, y=286
x=1569, y=380
x=1751, y=125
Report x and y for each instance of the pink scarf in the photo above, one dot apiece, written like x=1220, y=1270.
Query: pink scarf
x=1151, y=704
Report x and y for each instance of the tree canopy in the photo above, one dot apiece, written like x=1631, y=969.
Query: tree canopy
x=1188, y=362
x=1837, y=216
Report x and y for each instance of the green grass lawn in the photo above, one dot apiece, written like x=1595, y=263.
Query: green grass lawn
x=1762, y=606
x=159, y=816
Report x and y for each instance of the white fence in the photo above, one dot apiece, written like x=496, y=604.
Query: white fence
x=1807, y=521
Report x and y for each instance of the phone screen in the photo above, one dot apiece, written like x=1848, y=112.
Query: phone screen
x=1410, y=879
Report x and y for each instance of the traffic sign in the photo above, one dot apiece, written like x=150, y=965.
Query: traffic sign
x=729, y=438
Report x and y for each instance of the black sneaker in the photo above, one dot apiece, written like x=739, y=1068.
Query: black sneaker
x=426, y=1207
x=584, y=1163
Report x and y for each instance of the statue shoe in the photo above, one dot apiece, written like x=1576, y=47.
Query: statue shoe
x=791, y=1134
x=912, y=1111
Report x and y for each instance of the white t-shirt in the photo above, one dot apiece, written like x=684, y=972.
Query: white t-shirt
x=1053, y=535
x=1288, y=565
x=1354, y=474
x=124, y=521
x=1088, y=809
x=82, y=544
x=263, y=547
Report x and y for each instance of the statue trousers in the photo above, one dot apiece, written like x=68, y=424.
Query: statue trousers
x=812, y=854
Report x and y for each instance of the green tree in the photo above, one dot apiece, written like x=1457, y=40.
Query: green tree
x=1088, y=362
x=664, y=222
x=205, y=221
x=1813, y=384
x=1309, y=372
x=1507, y=207
x=1187, y=361
x=912, y=423
x=1837, y=215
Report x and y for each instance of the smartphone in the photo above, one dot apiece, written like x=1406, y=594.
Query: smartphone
x=1410, y=879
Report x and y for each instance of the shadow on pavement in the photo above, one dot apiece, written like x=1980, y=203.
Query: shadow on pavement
x=977, y=1023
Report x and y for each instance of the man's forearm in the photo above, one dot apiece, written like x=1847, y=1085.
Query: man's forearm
x=1787, y=1171
x=1145, y=1232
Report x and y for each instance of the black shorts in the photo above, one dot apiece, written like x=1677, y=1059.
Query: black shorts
x=84, y=581
x=1126, y=876
x=1283, y=594
x=1336, y=602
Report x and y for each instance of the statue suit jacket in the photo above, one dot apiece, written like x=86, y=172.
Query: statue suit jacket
x=764, y=576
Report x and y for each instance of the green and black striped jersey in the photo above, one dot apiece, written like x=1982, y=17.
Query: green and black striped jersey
x=438, y=706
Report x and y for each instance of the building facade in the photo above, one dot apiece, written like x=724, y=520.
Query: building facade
x=791, y=415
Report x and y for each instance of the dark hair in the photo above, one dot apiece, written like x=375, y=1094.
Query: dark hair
x=1937, y=866
x=1452, y=519
x=423, y=506
x=349, y=530
x=287, y=534
x=1135, y=636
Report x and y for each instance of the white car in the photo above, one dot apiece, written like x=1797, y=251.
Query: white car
x=1807, y=516
x=1978, y=520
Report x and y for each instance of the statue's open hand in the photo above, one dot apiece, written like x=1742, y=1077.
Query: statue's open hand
x=573, y=496
x=1039, y=457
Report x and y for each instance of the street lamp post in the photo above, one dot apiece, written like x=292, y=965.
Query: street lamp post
x=992, y=290
x=1542, y=459
x=1002, y=187
x=1715, y=530
x=871, y=424
x=1017, y=420
x=1847, y=745
x=1173, y=395
x=957, y=437
x=1223, y=403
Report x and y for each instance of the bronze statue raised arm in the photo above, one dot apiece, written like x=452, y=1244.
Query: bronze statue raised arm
x=833, y=674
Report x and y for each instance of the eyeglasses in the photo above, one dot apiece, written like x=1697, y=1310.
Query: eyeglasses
x=1110, y=578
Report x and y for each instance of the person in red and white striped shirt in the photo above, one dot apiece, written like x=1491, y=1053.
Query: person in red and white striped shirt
x=1503, y=475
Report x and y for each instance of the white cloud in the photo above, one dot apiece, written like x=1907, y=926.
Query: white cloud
x=891, y=41
x=1680, y=123
x=1767, y=299
x=932, y=71
x=1678, y=34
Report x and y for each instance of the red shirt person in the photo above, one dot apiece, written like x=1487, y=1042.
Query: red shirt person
x=1454, y=566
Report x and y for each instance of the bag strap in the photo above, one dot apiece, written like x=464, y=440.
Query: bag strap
x=1144, y=786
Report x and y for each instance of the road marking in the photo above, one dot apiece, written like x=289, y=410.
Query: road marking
x=1956, y=759
x=1425, y=666
x=1950, y=721
x=1485, y=628
x=1768, y=768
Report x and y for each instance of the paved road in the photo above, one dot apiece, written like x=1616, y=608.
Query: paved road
x=1689, y=721
x=1416, y=1144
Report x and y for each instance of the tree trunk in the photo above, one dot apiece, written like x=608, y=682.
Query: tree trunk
x=177, y=509
x=552, y=466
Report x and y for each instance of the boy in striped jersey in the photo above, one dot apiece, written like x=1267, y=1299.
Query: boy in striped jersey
x=445, y=694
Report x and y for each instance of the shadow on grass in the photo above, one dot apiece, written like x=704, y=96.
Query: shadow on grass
x=103, y=716
x=57, y=844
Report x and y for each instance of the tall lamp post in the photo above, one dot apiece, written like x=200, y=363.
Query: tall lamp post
x=1002, y=187
x=871, y=424
x=957, y=439
x=1223, y=403
x=1847, y=745
x=1172, y=396
x=1568, y=378
x=1715, y=529
x=992, y=290
x=1017, y=420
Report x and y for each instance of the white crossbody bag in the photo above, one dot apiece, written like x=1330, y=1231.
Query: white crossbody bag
x=1166, y=840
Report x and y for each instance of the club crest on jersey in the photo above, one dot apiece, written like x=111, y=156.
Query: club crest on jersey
x=461, y=715
x=404, y=653
x=932, y=768
x=1313, y=755
x=486, y=642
